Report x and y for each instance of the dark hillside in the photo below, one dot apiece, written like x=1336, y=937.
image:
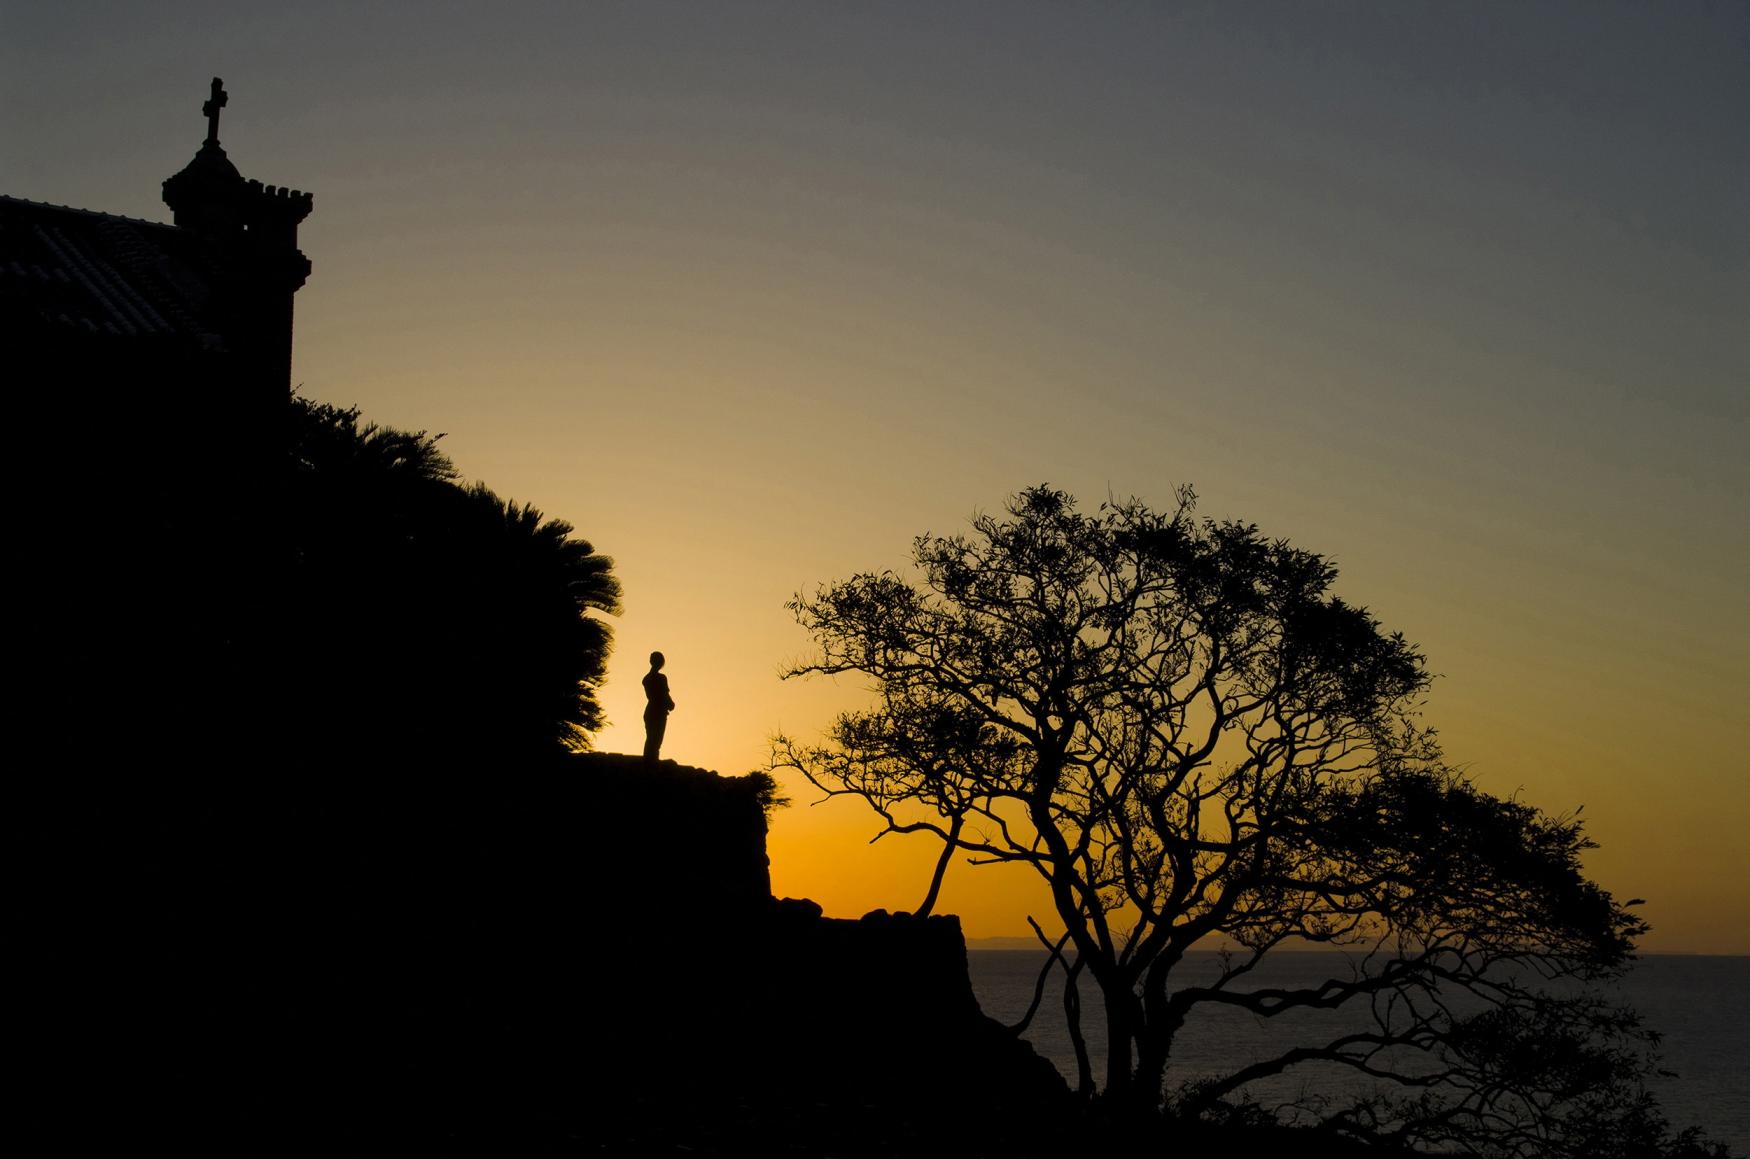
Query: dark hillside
x=574, y=952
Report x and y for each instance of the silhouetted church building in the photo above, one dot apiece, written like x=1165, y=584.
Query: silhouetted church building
x=208, y=298
x=149, y=375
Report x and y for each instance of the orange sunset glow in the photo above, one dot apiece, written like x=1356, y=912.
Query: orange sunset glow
x=754, y=295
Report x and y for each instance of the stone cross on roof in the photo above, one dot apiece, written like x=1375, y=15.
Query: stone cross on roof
x=214, y=103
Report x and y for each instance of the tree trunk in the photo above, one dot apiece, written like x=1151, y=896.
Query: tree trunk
x=1151, y=1064
x=1072, y=1012
x=923, y=911
x=1155, y=1028
x=1120, y=1027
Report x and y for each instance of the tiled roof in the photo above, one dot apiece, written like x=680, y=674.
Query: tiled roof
x=96, y=273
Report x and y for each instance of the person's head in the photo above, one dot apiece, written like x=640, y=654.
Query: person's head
x=656, y=659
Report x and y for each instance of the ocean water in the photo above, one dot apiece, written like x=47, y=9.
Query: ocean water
x=1700, y=1005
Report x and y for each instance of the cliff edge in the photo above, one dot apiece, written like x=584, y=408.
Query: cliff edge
x=577, y=954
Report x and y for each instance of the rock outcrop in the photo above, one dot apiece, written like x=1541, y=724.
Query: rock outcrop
x=580, y=955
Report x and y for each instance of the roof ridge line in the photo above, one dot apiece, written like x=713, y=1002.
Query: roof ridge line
x=87, y=212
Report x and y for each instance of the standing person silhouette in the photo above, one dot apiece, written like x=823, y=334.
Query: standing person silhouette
x=658, y=704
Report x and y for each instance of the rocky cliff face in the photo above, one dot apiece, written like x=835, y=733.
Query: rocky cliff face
x=580, y=954
x=692, y=840
x=848, y=1036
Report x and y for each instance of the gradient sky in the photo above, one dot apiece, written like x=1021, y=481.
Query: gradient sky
x=754, y=293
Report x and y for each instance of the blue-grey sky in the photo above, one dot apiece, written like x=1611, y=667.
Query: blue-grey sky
x=753, y=293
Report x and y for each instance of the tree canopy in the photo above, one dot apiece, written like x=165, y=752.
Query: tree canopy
x=1190, y=739
x=428, y=615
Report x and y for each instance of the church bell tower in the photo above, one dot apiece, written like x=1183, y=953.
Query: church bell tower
x=248, y=233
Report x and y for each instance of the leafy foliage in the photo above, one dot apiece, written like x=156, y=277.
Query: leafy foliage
x=1180, y=728
x=428, y=615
